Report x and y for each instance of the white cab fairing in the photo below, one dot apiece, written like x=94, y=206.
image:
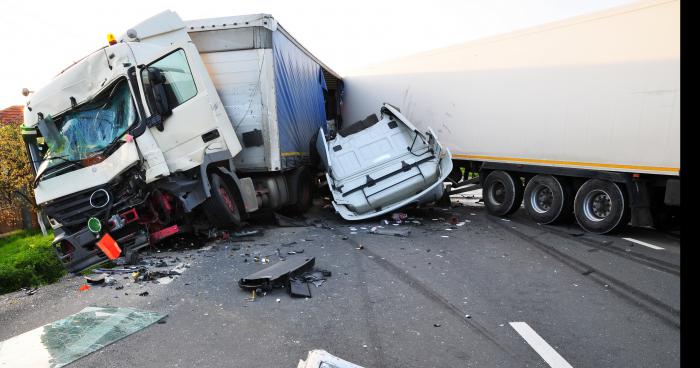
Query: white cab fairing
x=81, y=82
x=384, y=166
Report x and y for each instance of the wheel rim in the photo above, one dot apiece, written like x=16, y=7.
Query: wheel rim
x=597, y=205
x=541, y=199
x=228, y=202
x=498, y=193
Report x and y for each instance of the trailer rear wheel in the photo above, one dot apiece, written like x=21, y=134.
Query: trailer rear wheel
x=503, y=193
x=303, y=185
x=547, y=199
x=223, y=208
x=600, y=207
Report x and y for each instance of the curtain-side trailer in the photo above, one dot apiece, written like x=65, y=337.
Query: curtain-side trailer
x=577, y=118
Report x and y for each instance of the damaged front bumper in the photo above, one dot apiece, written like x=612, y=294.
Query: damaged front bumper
x=132, y=214
x=377, y=166
x=78, y=251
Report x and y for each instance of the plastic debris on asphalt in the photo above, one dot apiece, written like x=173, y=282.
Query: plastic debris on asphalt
x=323, y=359
x=399, y=217
x=401, y=233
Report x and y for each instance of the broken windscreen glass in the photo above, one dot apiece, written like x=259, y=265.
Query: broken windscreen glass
x=62, y=342
x=90, y=128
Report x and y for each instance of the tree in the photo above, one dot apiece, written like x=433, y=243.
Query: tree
x=16, y=194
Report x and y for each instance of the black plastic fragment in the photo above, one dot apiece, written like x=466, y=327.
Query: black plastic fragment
x=280, y=272
x=299, y=288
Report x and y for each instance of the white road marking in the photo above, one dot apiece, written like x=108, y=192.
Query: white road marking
x=652, y=246
x=540, y=346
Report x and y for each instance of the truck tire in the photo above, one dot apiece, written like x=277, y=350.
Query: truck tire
x=223, y=208
x=304, y=193
x=600, y=207
x=503, y=193
x=547, y=199
x=456, y=174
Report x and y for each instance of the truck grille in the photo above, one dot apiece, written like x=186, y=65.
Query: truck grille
x=76, y=208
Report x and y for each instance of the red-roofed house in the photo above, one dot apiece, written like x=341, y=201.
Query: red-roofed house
x=12, y=115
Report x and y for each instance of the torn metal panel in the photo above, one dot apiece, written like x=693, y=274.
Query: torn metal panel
x=299, y=288
x=277, y=273
x=377, y=166
x=82, y=81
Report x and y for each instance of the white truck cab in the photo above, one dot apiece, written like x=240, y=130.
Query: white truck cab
x=135, y=137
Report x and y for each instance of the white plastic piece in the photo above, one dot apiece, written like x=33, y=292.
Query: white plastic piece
x=323, y=359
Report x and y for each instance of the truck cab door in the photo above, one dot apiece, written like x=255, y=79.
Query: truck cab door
x=186, y=119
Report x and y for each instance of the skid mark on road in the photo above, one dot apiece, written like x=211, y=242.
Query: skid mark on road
x=655, y=263
x=649, y=303
x=432, y=295
x=372, y=331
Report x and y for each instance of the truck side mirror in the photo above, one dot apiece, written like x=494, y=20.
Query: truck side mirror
x=158, y=93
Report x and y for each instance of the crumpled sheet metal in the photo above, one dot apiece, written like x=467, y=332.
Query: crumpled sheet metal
x=66, y=340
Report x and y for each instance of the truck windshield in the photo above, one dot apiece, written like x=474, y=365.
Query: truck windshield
x=91, y=128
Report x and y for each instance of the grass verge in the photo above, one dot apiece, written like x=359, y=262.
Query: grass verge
x=26, y=260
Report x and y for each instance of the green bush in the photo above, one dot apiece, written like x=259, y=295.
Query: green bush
x=27, y=260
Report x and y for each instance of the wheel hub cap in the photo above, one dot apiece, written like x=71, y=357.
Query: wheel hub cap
x=597, y=205
x=498, y=193
x=541, y=199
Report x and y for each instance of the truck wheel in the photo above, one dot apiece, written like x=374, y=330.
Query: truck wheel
x=503, y=193
x=600, y=207
x=223, y=208
x=304, y=195
x=456, y=174
x=547, y=199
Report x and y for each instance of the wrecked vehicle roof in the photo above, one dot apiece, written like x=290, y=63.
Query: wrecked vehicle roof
x=376, y=166
x=82, y=81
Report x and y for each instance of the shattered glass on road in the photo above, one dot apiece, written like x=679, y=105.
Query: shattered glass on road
x=62, y=342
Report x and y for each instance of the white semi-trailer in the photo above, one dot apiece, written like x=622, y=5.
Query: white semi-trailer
x=579, y=117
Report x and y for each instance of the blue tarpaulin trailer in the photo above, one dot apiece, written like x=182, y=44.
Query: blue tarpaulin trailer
x=275, y=92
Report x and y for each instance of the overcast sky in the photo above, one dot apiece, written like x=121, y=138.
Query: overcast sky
x=40, y=38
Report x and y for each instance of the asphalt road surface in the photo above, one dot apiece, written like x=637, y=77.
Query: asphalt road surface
x=484, y=292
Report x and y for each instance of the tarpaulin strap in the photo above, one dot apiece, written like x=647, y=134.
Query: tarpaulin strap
x=371, y=181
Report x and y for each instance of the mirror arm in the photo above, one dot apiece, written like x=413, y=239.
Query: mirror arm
x=155, y=121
